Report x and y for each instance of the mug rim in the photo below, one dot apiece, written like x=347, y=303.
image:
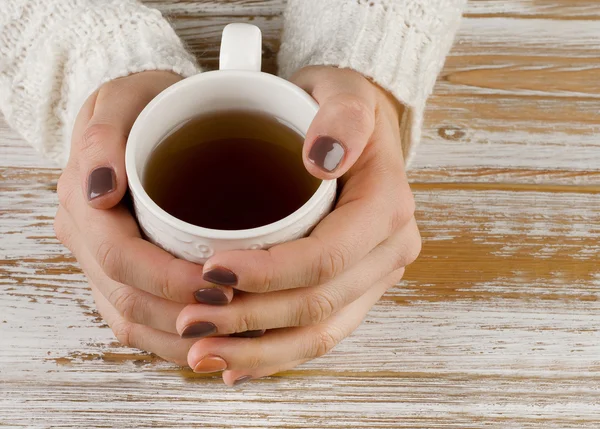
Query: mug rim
x=142, y=197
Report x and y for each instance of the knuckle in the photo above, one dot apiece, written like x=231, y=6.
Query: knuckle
x=65, y=191
x=401, y=258
x=408, y=206
x=60, y=230
x=324, y=342
x=358, y=111
x=261, y=287
x=93, y=138
x=129, y=303
x=109, y=257
x=316, y=308
x=407, y=252
x=167, y=288
x=123, y=331
x=416, y=249
x=267, y=274
x=245, y=322
x=253, y=362
x=404, y=210
x=332, y=261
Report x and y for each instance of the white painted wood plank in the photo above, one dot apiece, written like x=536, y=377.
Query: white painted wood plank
x=526, y=76
x=512, y=132
x=496, y=325
x=494, y=330
x=554, y=9
x=538, y=37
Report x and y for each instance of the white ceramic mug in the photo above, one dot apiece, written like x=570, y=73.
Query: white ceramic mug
x=238, y=84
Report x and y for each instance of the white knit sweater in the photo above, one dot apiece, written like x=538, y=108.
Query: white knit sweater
x=55, y=53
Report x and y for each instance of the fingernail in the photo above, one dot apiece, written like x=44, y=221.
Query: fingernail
x=211, y=296
x=199, y=330
x=101, y=182
x=210, y=364
x=326, y=153
x=242, y=380
x=221, y=276
x=249, y=334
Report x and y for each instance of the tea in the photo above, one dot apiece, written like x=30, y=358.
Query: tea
x=230, y=171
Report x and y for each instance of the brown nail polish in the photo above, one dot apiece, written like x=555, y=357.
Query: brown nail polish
x=242, y=379
x=249, y=334
x=221, y=276
x=199, y=330
x=210, y=364
x=326, y=153
x=211, y=296
x=101, y=181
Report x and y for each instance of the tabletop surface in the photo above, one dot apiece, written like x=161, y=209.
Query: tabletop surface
x=496, y=325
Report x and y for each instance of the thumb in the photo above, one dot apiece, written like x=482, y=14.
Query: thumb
x=100, y=154
x=101, y=131
x=338, y=134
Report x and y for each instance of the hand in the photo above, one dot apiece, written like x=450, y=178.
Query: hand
x=139, y=288
x=313, y=292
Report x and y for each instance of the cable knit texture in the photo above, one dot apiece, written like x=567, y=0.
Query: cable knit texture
x=400, y=44
x=55, y=53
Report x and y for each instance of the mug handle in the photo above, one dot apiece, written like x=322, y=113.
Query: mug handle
x=241, y=48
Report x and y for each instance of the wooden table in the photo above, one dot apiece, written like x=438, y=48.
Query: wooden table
x=497, y=324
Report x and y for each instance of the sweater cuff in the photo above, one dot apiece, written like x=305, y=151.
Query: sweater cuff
x=400, y=45
x=126, y=38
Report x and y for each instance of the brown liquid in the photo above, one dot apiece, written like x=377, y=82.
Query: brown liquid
x=231, y=170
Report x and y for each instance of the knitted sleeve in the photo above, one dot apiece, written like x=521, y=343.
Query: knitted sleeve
x=55, y=53
x=400, y=44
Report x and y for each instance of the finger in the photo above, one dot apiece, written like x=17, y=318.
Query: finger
x=338, y=135
x=280, y=346
x=236, y=377
x=99, y=145
x=101, y=160
x=113, y=238
x=131, y=303
x=344, y=123
x=375, y=201
x=307, y=306
x=168, y=346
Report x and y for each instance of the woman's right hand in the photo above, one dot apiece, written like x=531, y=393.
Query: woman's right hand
x=139, y=288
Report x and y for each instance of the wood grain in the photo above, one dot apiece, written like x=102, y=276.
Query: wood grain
x=552, y=9
x=496, y=325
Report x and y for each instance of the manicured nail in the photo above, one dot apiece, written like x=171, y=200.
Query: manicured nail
x=101, y=181
x=210, y=364
x=242, y=379
x=199, y=330
x=326, y=153
x=249, y=334
x=211, y=296
x=220, y=276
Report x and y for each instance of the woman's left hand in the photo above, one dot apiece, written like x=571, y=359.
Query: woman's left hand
x=311, y=293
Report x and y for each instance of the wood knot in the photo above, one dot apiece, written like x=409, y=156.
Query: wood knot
x=451, y=133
